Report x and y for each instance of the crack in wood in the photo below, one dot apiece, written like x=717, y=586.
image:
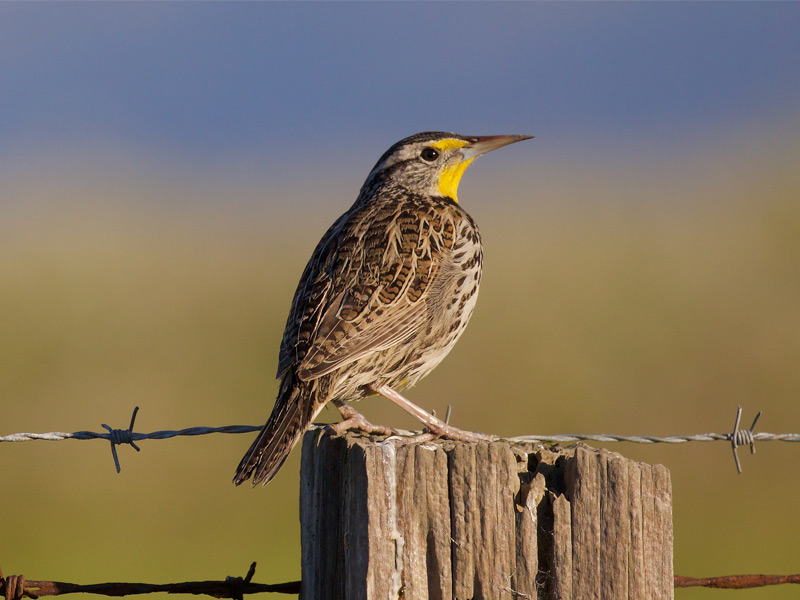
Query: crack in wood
x=450, y=520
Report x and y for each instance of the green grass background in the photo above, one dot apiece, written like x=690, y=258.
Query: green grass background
x=629, y=296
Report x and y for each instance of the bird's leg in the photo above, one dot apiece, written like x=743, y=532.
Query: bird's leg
x=352, y=419
x=434, y=425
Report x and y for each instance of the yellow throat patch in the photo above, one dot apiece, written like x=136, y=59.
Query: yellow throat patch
x=451, y=175
x=448, y=180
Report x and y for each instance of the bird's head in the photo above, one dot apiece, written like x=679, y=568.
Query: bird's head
x=432, y=163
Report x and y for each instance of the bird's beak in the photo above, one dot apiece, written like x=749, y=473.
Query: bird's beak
x=484, y=144
x=452, y=172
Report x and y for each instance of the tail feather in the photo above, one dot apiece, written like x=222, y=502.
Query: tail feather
x=294, y=411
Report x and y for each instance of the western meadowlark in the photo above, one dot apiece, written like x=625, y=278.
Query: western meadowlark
x=383, y=299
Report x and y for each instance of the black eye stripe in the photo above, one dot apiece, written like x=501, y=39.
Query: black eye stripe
x=429, y=154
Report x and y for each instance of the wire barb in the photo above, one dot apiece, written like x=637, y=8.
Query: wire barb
x=741, y=437
x=237, y=584
x=121, y=436
x=13, y=587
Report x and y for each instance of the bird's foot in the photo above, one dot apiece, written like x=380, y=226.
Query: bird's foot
x=440, y=429
x=436, y=427
x=352, y=419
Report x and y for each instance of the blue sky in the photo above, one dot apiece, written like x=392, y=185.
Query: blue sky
x=213, y=83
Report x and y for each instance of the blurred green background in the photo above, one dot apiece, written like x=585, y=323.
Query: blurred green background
x=641, y=276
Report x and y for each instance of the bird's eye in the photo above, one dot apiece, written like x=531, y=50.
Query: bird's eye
x=429, y=154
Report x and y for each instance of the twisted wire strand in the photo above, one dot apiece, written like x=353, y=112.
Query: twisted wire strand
x=762, y=436
x=737, y=437
x=55, y=436
x=17, y=587
x=741, y=438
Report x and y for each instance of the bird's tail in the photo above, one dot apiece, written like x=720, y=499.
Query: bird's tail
x=295, y=409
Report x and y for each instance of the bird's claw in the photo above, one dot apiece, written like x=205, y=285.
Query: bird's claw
x=352, y=419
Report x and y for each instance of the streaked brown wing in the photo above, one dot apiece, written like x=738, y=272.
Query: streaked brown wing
x=310, y=300
x=347, y=342
x=376, y=296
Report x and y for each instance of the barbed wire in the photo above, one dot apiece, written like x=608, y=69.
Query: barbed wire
x=16, y=587
x=737, y=437
x=125, y=436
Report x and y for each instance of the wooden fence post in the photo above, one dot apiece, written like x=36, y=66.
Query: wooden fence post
x=446, y=520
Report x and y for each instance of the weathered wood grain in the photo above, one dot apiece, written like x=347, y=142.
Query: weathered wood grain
x=496, y=521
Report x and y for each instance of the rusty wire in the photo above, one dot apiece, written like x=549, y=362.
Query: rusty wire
x=735, y=582
x=736, y=438
x=16, y=587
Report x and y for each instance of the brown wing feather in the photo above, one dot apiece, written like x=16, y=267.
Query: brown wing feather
x=373, y=299
x=310, y=299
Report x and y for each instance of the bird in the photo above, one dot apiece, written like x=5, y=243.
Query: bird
x=384, y=297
